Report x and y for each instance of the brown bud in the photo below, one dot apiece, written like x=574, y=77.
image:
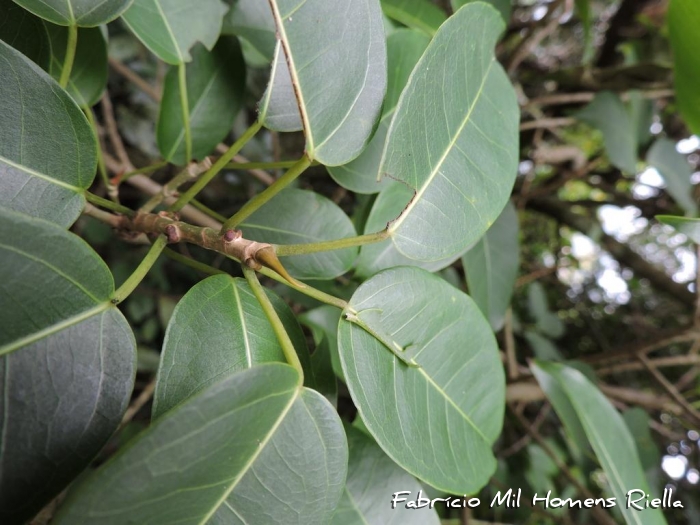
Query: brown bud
x=232, y=235
x=172, y=232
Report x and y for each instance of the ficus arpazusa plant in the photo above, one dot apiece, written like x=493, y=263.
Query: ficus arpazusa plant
x=316, y=354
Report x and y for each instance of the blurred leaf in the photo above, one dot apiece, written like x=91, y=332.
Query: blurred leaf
x=457, y=383
x=583, y=11
x=169, y=28
x=252, y=20
x=606, y=431
x=224, y=455
x=547, y=322
x=608, y=114
x=298, y=217
x=637, y=421
x=491, y=267
x=76, y=12
x=542, y=347
x=676, y=172
x=688, y=227
x=682, y=17
x=67, y=362
x=460, y=155
x=25, y=32
x=641, y=112
x=215, y=95
x=48, y=151
x=372, y=480
x=418, y=14
x=503, y=6
x=349, y=50
x=404, y=49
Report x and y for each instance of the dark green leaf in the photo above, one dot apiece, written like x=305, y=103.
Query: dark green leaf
x=418, y=14
x=685, y=41
x=215, y=94
x=323, y=322
x=76, y=12
x=46, y=164
x=454, y=139
x=298, y=217
x=372, y=480
x=676, y=172
x=252, y=20
x=491, y=267
x=67, y=365
x=503, y=6
x=688, y=227
x=169, y=28
x=606, y=431
x=608, y=114
x=25, y=32
x=457, y=385
x=404, y=49
x=223, y=456
x=348, y=50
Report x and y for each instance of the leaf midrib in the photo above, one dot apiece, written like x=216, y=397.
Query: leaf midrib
x=47, y=178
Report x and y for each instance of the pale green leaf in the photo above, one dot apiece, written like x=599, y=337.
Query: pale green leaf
x=25, y=32
x=685, y=41
x=456, y=383
x=342, y=42
x=418, y=14
x=279, y=109
x=503, y=6
x=67, y=362
x=222, y=457
x=676, y=172
x=637, y=421
x=215, y=93
x=606, y=432
x=169, y=28
x=373, y=478
x=547, y=321
x=83, y=13
x=688, y=227
x=542, y=347
x=454, y=139
x=48, y=154
x=491, y=267
x=608, y=114
x=299, y=217
x=252, y=20
x=404, y=49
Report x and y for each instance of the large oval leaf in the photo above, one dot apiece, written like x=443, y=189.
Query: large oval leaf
x=491, y=267
x=372, y=480
x=298, y=217
x=685, y=40
x=454, y=139
x=67, y=365
x=439, y=417
x=25, y=32
x=84, y=13
x=404, y=48
x=217, y=329
x=606, y=432
x=46, y=164
x=169, y=28
x=380, y=256
x=418, y=14
x=222, y=456
x=215, y=91
x=278, y=109
x=342, y=42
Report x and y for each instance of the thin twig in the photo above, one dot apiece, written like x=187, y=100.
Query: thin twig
x=586, y=96
x=135, y=79
x=113, y=132
x=138, y=403
x=189, y=174
x=548, y=123
x=660, y=362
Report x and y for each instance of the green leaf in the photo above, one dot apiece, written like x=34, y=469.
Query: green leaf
x=252, y=20
x=323, y=322
x=169, y=28
x=688, y=227
x=25, y=32
x=418, y=14
x=380, y=256
x=219, y=328
x=606, y=432
x=215, y=93
x=685, y=41
x=372, y=480
x=67, y=362
x=223, y=456
x=298, y=217
x=607, y=113
x=491, y=267
x=454, y=139
x=676, y=172
x=542, y=347
x=343, y=42
x=404, y=49
x=278, y=109
x=503, y=6
x=455, y=384
x=641, y=112
x=46, y=164
x=88, y=77
x=637, y=421
x=76, y=12
x=547, y=321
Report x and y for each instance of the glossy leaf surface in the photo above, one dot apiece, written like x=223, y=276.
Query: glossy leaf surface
x=439, y=419
x=39, y=177
x=454, y=139
x=84, y=13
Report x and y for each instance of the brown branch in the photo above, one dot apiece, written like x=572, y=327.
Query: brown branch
x=135, y=79
x=548, y=123
x=661, y=362
x=586, y=96
x=138, y=403
x=169, y=190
